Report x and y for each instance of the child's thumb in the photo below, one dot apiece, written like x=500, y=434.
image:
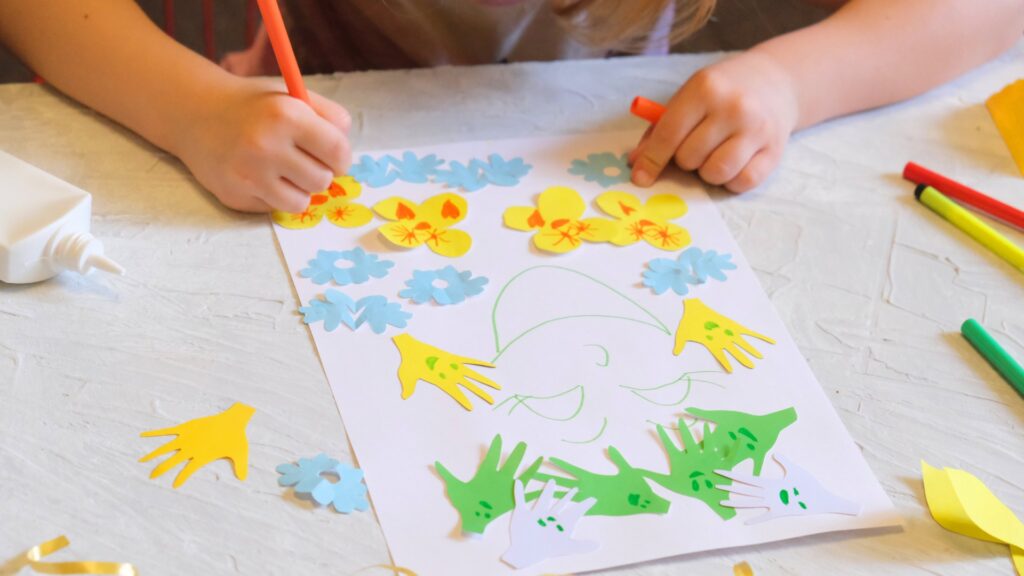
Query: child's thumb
x=332, y=112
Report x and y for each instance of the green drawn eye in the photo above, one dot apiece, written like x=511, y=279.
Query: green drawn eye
x=784, y=496
x=709, y=325
x=431, y=362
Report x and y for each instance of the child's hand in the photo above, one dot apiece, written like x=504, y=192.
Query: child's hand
x=258, y=149
x=729, y=122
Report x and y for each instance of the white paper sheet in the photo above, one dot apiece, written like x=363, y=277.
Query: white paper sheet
x=397, y=441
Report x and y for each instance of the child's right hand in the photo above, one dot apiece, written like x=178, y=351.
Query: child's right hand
x=258, y=149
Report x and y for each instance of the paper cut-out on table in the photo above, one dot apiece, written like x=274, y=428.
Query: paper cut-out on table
x=624, y=493
x=335, y=309
x=415, y=170
x=478, y=173
x=742, y=569
x=704, y=326
x=604, y=168
x=33, y=559
x=1007, y=110
x=544, y=529
x=307, y=474
x=737, y=436
x=336, y=203
x=204, y=440
x=373, y=173
x=347, y=495
x=457, y=286
x=558, y=221
x=379, y=314
x=363, y=266
x=647, y=221
x=693, y=267
x=961, y=503
x=447, y=371
x=489, y=493
x=796, y=493
x=431, y=223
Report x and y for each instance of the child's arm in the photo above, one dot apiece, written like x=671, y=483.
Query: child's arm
x=731, y=120
x=248, y=143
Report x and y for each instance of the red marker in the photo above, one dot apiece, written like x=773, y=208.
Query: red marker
x=647, y=109
x=283, y=49
x=921, y=175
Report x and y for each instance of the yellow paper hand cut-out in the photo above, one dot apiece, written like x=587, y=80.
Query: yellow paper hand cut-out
x=717, y=333
x=204, y=440
x=557, y=220
x=648, y=221
x=336, y=203
x=445, y=370
x=429, y=223
x=962, y=503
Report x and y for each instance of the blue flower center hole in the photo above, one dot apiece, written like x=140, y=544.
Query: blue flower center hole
x=612, y=171
x=331, y=476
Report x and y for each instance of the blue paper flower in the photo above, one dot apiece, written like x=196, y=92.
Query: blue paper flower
x=347, y=494
x=604, y=168
x=307, y=474
x=373, y=173
x=501, y=172
x=458, y=175
x=364, y=266
x=457, y=286
x=334, y=311
x=415, y=170
x=693, y=266
x=379, y=314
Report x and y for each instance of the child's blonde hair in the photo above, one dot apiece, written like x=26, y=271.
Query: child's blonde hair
x=627, y=25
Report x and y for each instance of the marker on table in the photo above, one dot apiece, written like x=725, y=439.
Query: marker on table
x=995, y=354
x=647, y=109
x=970, y=224
x=274, y=23
x=957, y=191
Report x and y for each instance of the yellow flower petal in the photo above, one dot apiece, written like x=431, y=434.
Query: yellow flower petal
x=598, y=229
x=345, y=214
x=619, y=204
x=396, y=208
x=301, y=220
x=523, y=218
x=444, y=210
x=667, y=236
x=558, y=240
x=345, y=187
x=664, y=207
x=631, y=230
x=448, y=242
x=561, y=203
x=404, y=234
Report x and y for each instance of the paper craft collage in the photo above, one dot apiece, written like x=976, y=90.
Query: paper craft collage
x=543, y=369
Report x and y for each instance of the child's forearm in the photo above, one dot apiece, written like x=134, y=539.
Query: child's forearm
x=875, y=52
x=111, y=57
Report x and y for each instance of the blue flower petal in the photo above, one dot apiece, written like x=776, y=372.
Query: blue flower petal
x=457, y=286
x=604, y=168
x=692, y=267
x=379, y=314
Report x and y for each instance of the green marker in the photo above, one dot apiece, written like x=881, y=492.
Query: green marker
x=990, y=349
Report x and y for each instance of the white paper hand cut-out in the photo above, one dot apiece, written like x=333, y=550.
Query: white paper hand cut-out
x=797, y=493
x=545, y=530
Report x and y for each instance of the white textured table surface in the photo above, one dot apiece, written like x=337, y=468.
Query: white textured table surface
x=872, y=286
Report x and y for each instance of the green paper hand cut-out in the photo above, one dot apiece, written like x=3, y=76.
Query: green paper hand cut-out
x=752, y=436
x=489, y=493
x=622, y=494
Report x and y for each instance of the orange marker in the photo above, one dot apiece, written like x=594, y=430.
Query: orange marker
x=283, y=49
x=647, y=109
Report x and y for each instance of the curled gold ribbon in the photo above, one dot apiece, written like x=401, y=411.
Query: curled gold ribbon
x=33, y=559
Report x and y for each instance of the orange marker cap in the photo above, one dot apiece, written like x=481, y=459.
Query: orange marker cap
x=647, y=109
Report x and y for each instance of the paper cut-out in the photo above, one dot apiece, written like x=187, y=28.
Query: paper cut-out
x=415, y=170
x=33, y=559
x=379, y=314
x=364, y=266
x=647, y=221
x=489, y=493
x=457, y=286
x=430, y=223
x=544, y=529
x=961, y=503
x=347, y=495
x=478, y=173
x=1007, y=110
x=557, y=220
x=796, y=493
x=336, y=203
x=737, y=436
x=334, y=310
x=204, y=440
x=447, y=371
x=717, y=333
x=373, y=173
x=307, y=474
x=604, y=168
x=624, y=493
x=458, y=175
x=693, y=267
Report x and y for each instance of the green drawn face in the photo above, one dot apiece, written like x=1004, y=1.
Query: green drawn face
x=712, y=328
x=552, y=521
x=484, y=510
x=699, y=480
x=744, y=438
x=785, y=498
x=432, y=365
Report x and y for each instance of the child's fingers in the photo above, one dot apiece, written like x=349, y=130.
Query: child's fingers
x=701, y=143
x=331, y=111
x=284, y=196
x=726, y=162
x=325, y=142
x=631, y=159
x=305, y=172
x=756, y=171
x=679, y=119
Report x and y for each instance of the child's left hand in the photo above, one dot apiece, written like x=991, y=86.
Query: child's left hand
x=729, y=122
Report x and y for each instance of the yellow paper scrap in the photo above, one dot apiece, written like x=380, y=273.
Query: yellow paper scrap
x=1007, y=110
x=742, y=569
x=961, y=503
x=33, y=559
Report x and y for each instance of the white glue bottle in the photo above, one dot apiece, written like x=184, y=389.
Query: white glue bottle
x=44, y=226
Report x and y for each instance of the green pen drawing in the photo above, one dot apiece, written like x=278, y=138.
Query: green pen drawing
x=607, y=357
x=604, y=426
x=685, y=379
x=526, y=401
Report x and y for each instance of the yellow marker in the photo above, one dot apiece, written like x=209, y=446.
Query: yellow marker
x=970, y=224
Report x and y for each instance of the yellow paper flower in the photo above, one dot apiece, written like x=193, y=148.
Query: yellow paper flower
x=335, y=203
x=557, y=220
x=646, y=221
x=429, y=223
